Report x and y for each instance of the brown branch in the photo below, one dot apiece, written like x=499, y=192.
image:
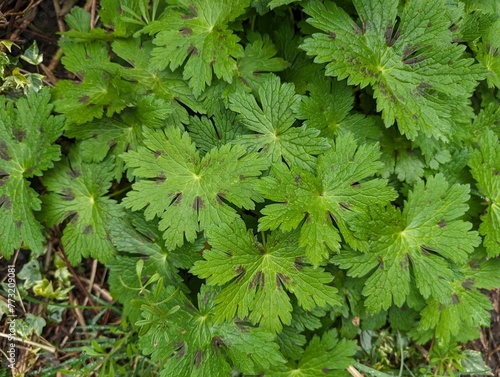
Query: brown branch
x=77, y=279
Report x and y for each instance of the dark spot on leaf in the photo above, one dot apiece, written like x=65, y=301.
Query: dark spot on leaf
x=474, y=264
x=383, y=90
x=429, y=24
x=193, y=10
x=198, y=203
x=87, y=229
x=19, y=223
x=409, y=50
x=4, y=155
x=344, y=206
x=453, y=28
x=219, y=197
x=353, y=60
x=358, y=30
x=442, y=223
x=161, y=178
x=216, y=343
x=380, y=263
x=241, y=326
x=326, y=370
x=356, y=185
x=73, y=215
x=5, y=202
x=425, y=250
x=454, y=299
x=111, y=143
x=422, y=86
x=192, y=50
x=278, y=283
x=19, y=135
x=390, y=37
x=84, y=99
x=283, y=278
x=297, y=179
x=180, y=348
x=186, y=31
x=242, y=177
x=205, y=299
x=74, y=173
x=297, y=263
x=332, y=35
x=240, y=271
x=415, y=117
x=468, y=284
x=68, y=194
x=198, y=357
x=178, y=199
x=4, y=177
x=404, y=263
x=256, y=279
x=414, y=60
x=157, y=154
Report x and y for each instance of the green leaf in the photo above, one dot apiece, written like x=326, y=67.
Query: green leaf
x=259, y=59
x=32, y=55
x=460, y=319
x=485, y=168
x=197, y=32
x=325, y=355
x=417, y=244
x=487, y=51
x=191, y=192
x=328, y=107
x=474, y=364
x=214, y=133
x=27, y=136
x=272, y=123
x=114, y=136
x=419, y=76
x=77, y=192
x=277, y=3
x=100, y=94
x=341, y=189
x=126, y=16
x=302, y=70
x=142, y=242
x=190, y=343
x=257, y=276
x=166, y=85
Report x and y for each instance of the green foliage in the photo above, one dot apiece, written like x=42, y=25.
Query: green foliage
x=277, y=188
x=328, y=201
x=197, y=31
x=77, y=194
x=12, y=78
x=194, y=191
x=27, y=135
x=259, y=276
x=419, y=77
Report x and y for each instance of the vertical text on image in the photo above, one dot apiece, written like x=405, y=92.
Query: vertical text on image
x=11, y=317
